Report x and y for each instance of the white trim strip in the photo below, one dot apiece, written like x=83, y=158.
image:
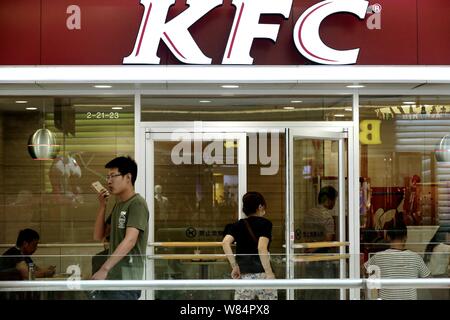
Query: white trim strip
x=224, y=74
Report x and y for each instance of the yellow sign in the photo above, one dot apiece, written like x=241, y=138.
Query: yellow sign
x=370, y=132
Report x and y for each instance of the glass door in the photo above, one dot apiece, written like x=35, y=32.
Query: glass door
x=318, y=198
x=195, y=180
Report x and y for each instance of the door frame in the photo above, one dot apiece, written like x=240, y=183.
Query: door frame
x=339, y=134
x=282, y=127
x=198, y=134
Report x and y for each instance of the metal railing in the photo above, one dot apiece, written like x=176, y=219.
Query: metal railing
x=224, y=284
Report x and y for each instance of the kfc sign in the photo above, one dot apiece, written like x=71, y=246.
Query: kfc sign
x=245, y=29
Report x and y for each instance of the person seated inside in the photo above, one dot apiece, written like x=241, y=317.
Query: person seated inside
x=16, y=262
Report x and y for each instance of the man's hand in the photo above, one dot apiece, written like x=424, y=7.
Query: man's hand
x=103, y=197
x=100, y=275
x=270, y=275
x=50, y=271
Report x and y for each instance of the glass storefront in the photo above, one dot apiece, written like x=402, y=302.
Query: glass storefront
x=405, y=174
x=198, y=160
x=229, y=107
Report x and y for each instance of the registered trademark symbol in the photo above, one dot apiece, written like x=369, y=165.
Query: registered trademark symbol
x=376, y=8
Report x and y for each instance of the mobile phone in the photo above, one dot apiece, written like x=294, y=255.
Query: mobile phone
x=99, y=187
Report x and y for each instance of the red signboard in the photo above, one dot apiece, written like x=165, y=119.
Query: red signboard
x=105, y=32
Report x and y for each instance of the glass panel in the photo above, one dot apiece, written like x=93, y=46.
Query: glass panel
x=267, y=175
x=247, y=108
x=194, y=193
x=405, y=175
x=316, y=213
x=194, y=201
x=54, y=196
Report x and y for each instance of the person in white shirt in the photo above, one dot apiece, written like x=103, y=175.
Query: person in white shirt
x=319, y=225
x=437, y=258
x=322, y=217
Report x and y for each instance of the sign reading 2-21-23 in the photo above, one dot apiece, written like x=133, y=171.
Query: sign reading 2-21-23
x=245, y=28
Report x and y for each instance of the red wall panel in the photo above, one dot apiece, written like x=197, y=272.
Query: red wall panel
x=434, y=31
x=394, y=44
x=34, y=32
x=107, y=35
x=20, y=32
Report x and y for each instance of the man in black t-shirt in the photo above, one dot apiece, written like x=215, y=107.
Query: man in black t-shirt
x=15, y=262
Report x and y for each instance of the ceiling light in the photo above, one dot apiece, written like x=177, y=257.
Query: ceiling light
x=204, y=101
x=296, y=101
x=21, y=101
x=230, y=86
x=117, y=108
x=348, y=109
x=101, y=105
x=102, y=86
x=339, y=115
x=409, y=102
x=355, y=86
x=289, y=108
x=31, y=108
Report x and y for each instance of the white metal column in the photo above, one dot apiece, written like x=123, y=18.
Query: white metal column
x=149, y=183
x=290, y=235
x=353, y=181
x=342, y=214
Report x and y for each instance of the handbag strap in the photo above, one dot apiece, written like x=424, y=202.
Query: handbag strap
x=250, y=231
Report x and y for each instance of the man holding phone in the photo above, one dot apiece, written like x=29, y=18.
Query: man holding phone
x=129, y=228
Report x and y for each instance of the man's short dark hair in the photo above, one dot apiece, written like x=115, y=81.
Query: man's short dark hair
x=327, y=192
x=251, y=202
x=124, y=165
x=26, y=235
x=396, y=228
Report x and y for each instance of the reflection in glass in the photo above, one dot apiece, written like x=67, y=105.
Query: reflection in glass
x=248, y=108
x=316, y=208
x=404, y=171
x=194, y=201
x=54, y=196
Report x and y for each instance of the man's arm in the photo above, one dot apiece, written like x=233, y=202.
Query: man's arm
x=42, y=273
x=22, y=267
x=100, y=225
x=263, y=244
x=226, y=245
x=122, y=250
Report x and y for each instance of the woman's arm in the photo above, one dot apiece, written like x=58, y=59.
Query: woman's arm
x=226, y=245
x=263, y=244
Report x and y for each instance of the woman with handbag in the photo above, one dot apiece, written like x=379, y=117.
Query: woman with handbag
x=252, y=236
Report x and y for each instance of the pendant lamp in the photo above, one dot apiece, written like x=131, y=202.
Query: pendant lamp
x=442, y=151
x=42, y=144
